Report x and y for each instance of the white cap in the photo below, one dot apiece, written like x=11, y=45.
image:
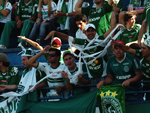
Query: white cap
x=88, y=26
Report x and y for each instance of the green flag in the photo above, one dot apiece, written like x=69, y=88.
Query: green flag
x=111, y=99
x=62, y=19
x=2, y=7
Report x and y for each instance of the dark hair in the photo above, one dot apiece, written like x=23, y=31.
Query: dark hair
x=6, y=64
x=80, y=17
x=68, y=54
x=135, y=46
x=128, y=15
x=57, y=52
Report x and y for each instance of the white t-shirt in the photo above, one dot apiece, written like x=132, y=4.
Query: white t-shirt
x=45, y=10
x=8, y=18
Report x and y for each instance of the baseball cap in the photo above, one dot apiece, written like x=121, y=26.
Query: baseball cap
x=67, y=53
x=88, y=26
x=120, y=42
x=147, y=42
x=56, y=43
x=3, y=57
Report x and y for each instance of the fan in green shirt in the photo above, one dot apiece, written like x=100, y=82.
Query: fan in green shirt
x=130, y=34
x=144, y=55
x=9, y=75
x=125, y=69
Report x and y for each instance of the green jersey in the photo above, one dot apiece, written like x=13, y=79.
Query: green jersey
x=78, y=91
x=146, y=17
x=26, y=11
x=130, y=35
x=11, y=77
x=120, y=5
x=145, y=66
x=96, y=68
x=99, y=17
x=124, y=70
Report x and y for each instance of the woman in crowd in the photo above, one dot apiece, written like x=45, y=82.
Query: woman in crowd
x=45, y=13
x=5, y=13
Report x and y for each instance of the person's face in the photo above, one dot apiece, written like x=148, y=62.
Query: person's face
x=69, y=61
x=24, y=61
x=118, y=53
x=90, y=33
x=131, y=21
x=52, y=57
x=81, y=25
x=145, y=51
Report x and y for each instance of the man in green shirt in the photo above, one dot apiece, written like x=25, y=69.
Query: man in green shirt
x=144, y=55
x=9, y=75
x=124, y=69
x=130, y=34
x=25, y=18
x=98, y=16
x=68, y=74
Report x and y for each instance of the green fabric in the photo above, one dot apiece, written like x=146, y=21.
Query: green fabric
x=8, y=28
x=124, y=70
x=26, y=29
x=96, y=17
x=145, y=67
x=96, y=68
x=62, y=19
x=84, y=103
x=11, y=77
x=120, y=5
x=130, y=35
x=2, y=6
x=111, y=99
x=146, y=17
x=27, y=101
x=26, y=11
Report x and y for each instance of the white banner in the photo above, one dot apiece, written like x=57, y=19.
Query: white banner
x=9, y=105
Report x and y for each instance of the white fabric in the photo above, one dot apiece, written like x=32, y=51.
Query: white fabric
x=80, y=34
x=99, y=54
x=70, y=10
x=8, y=18
x=28, y=80
x=45, y=10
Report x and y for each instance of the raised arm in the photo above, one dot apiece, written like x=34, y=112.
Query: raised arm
x=111, y=2
x=78, y=6
x=34, y=44
x=32, y=60
x=123, y=47
x=59, y=34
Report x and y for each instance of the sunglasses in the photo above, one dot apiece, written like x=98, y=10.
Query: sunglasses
x=52, y=55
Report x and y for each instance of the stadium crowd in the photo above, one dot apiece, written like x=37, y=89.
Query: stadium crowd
x=84, y=25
